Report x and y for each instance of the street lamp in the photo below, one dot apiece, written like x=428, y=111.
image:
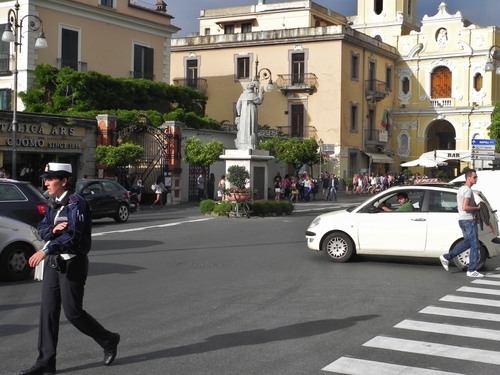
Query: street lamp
x=493, y=57
x=13, y=34
x=266, y=73
x=320, y=144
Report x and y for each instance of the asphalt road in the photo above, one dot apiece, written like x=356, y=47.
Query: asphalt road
x=191, y=294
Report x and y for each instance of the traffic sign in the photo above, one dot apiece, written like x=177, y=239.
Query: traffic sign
x=483, y=152
x=482, y=157
x=484, y=142
x=483, y=149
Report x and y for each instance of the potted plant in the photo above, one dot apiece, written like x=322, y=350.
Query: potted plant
x=348, y=184
x=238, y=177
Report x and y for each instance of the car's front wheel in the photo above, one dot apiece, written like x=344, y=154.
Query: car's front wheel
x=338, y=247
x=14, y=262
x=122, y=214
x=462, y=260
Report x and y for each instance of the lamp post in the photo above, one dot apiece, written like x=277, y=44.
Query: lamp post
x=13, y=34
x=493, y=63
x=320, y=144
x=266, y=73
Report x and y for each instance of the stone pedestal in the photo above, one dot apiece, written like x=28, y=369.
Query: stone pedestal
x=256, y=162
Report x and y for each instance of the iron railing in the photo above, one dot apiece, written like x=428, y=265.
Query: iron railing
x=145, y=75
x=76, y=65
x=297, y=82
x=376, y=89
x=198, y=84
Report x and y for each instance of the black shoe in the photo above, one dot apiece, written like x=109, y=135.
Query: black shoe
x=39, y=370
x=110, y=354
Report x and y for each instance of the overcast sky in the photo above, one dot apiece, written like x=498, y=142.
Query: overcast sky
x=479, y=12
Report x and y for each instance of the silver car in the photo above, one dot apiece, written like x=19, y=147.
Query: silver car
x=18, y=242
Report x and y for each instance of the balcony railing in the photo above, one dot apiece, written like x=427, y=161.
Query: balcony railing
x=297, y=83
x=145, y=75
x=374, y=137
x=442, y=102
x=198, y=84
x=5, y=64
x=262, y=133
x=302, y=132
x=76, y=65
x=375, y=89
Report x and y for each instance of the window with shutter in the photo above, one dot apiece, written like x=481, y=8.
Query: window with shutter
x=441, y=83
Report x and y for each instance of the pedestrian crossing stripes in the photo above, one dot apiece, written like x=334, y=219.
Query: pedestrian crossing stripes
x=354, y=366
x=461, y=322
x=450, y=329
x=433, y=349
x=455, y=313
x=471, y=300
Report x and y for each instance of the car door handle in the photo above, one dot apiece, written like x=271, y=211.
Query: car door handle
x=419, y=219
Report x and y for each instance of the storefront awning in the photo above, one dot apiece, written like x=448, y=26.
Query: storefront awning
x=444, y=155
x=379, y=158
x=236, y=20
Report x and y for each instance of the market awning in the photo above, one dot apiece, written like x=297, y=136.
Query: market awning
x=379, y=158
x=444, y=155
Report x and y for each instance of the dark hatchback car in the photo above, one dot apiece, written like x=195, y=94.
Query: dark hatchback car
x=22, y=201
x=106, y=198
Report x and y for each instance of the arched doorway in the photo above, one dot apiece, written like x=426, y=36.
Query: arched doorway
x=441, y=135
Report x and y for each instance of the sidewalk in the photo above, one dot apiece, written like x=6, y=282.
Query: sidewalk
x=342, y=197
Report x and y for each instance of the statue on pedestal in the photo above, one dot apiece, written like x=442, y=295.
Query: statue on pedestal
x=247, y=120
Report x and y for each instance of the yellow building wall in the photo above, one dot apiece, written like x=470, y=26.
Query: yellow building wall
x=114, y=56
x=449, y=41
x=328, y=108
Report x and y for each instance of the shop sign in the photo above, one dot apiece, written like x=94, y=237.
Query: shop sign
x=44, y=136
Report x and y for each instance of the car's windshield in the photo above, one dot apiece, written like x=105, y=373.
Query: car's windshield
x=35, y=191
x=352, y=208
x=79, y=185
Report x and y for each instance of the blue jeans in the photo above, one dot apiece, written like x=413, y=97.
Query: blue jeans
x=471, y=240
x=332, y=194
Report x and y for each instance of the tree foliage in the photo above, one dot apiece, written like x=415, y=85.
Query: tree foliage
x=56, y=91
x=293, y=151
x=125, y=154
x=203, y=155
x=494, y=129
x=238, y=176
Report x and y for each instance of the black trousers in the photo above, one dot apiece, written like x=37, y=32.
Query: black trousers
x=66, y=290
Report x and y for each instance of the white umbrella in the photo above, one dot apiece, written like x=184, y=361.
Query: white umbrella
x=427, y=163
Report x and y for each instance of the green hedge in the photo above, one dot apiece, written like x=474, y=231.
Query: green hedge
x=260, y=208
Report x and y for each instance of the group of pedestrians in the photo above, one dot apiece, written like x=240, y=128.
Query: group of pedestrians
x=364, y=183
x=304, y=188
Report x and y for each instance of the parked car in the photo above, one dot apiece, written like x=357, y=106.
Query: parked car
x=20, y=200
x=18, y=242
x=106, y=198
x=428, y=232
x=487, y=182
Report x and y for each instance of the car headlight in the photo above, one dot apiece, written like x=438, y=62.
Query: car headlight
x=315, y=222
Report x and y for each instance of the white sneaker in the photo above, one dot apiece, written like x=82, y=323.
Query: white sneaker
x=474, y=274
x=444, y=262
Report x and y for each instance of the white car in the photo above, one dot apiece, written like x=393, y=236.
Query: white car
x=18, y=242
x=427, y=232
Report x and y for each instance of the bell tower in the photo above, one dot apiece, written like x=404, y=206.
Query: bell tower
x=385, y=19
